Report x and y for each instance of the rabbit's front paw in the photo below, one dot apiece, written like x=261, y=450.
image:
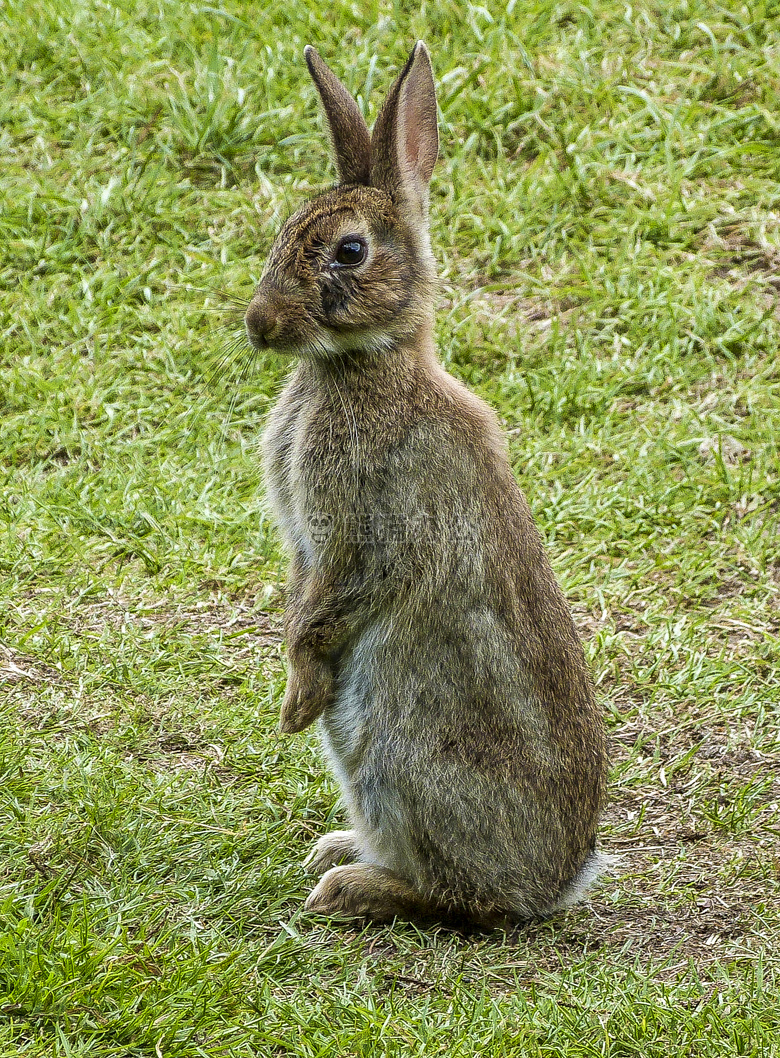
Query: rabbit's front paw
x=304, y=700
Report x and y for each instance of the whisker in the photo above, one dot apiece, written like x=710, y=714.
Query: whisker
x=247, y=365
x=234, y=299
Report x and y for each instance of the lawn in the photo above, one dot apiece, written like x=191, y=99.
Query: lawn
x=606, y=218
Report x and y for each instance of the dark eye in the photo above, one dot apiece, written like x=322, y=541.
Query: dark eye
x=351, y=251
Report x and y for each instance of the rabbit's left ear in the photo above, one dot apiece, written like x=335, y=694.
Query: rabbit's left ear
x=348, y=130
x=405, y=141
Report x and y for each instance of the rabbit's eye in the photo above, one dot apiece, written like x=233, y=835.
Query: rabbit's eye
x=351, y=251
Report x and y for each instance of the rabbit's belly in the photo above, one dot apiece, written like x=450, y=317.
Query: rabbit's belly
x=349, y=725
x=355, y=736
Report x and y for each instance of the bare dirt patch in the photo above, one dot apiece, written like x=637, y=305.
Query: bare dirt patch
x=17, y=667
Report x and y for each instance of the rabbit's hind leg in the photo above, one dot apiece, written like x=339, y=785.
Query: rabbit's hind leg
x=363, y=890
x=340, y=846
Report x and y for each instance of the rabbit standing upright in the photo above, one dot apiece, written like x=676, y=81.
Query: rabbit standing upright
x=424, y=625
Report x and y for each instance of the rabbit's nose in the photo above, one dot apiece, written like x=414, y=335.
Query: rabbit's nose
x=262, y=323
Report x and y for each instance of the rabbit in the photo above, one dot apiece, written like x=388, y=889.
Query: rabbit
x=424, y=628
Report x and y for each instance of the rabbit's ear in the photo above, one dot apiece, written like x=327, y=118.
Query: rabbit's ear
x=405, y=141
x=348, y=130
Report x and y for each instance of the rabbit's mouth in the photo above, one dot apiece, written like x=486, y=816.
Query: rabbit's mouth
x=268, y=330
x=268, y=333
x=263, y=323
x=272, y=323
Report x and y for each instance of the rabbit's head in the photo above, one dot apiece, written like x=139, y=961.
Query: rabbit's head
x=352, y=271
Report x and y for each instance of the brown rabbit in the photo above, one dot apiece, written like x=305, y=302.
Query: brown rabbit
x=424, y=625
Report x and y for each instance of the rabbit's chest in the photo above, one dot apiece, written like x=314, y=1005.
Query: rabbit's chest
x=316, y=483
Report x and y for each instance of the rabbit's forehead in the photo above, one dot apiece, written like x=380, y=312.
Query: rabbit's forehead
x=337, y=213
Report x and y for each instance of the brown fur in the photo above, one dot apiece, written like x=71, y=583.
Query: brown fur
x=424, y=626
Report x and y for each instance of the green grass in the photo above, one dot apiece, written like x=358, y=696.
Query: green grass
x=606, y=216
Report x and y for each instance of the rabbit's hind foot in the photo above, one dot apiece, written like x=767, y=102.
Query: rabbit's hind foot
x=340, y=846
x=362, y=890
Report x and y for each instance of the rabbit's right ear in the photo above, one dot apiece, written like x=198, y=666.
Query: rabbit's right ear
x=348, y=130
x=405, y=141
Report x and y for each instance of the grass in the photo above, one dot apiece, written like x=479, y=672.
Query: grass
x=606, y=216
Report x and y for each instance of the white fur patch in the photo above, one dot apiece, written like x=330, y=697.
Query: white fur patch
x=597, y=863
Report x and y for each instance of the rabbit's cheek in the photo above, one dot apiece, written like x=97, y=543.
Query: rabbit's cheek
x=336, y=298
